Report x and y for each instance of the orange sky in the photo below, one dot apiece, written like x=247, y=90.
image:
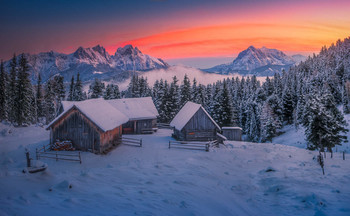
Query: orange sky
x=299, y=28
x=171, y=29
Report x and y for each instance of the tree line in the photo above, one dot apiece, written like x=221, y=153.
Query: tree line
x=313, y=94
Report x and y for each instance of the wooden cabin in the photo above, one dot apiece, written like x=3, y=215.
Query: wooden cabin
x=91, y=125
x=142, y=114
x=193, y=123
x=232, y=133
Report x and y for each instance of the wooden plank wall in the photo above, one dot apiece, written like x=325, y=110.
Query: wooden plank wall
x=233, y=134
x=199, y=128
x=81, y=131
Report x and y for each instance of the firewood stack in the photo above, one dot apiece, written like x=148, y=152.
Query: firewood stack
x=65, y=145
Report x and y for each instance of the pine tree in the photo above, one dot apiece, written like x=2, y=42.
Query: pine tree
x=39, y=99
x=71, y=90
x=185, y=94
x=25, y=95
x=79, y=95
x=324, y=123
x=226, y=106
x=173, y=103
x=49, y=102
x=4, y=100
x=96, y=89
x=12, y=93
x=59, y=89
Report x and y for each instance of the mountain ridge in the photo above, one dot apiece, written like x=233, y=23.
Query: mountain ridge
x=257, y=61
x=91, y=62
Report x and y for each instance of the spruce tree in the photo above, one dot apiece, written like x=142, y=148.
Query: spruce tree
x=25, y=97
x=12, y=93
x=96, y=89
x=173, y=96
x=39, y=99
x=226, y=106
x=71, y=90
x=4, y=100
x=49, y=102
x=79, y=95
x=185, y=94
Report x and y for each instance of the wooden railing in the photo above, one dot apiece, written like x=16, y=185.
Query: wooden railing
x=164, y=126
x=131, y=141
x=45, y=152
x=192, y=145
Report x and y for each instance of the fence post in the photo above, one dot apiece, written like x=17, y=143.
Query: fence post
x=343, y=155
x=79, y=158
x=36, y=153
x=207, y=147
x=169, y=144
x=332, y=154
x=141, y=143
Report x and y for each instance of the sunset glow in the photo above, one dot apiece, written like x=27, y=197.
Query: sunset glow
x=166, y=29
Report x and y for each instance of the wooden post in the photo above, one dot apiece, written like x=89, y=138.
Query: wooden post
x=28, y=159
x=141, y=143
x=343, y=155
x=331, y=154
x=79, y=158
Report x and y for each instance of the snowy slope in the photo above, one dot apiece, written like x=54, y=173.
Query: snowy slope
x=239, y=179
x=293, y=137
x=91, y=63
x=261, y=62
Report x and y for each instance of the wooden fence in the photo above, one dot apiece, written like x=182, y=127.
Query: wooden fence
x=131, y=141
x=45, y=152
x=192, y=145
x=164, y=126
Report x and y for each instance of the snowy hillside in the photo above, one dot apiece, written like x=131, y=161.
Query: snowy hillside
x=239, y=179
x=260, y=62
x=293, y=137
x=91, y=63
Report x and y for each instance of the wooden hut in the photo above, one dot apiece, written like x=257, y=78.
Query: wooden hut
x=232, y=133
x=193, y=123
x=91, y=125
x=142, y=114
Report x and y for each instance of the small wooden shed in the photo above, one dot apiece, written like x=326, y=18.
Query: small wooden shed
x=232, y=133
x=142, y=114
x=193, y=123
x=91, y=125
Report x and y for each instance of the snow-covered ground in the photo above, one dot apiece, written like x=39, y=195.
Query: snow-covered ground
x=239, y=179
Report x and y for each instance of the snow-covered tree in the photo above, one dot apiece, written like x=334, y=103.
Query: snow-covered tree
x=25, y=95
x=4, y=94
x=185, y=94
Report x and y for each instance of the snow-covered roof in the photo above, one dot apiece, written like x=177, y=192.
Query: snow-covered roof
x=99, y=111
x=136, y=108
x=231, y=128
x=186, y=113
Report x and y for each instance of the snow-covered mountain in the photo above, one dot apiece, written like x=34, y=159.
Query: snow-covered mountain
x=261, y=62
x=91, y=63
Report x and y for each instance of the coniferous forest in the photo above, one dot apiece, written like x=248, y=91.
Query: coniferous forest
x=315, y=94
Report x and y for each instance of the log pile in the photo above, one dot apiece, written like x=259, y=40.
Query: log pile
x=65, y=145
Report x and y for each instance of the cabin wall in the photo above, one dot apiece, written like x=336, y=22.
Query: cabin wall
x=136, y=126
x=232, y=134
x=144, y=124
x=76, y=127
x=199, y=128
x=110, y=138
